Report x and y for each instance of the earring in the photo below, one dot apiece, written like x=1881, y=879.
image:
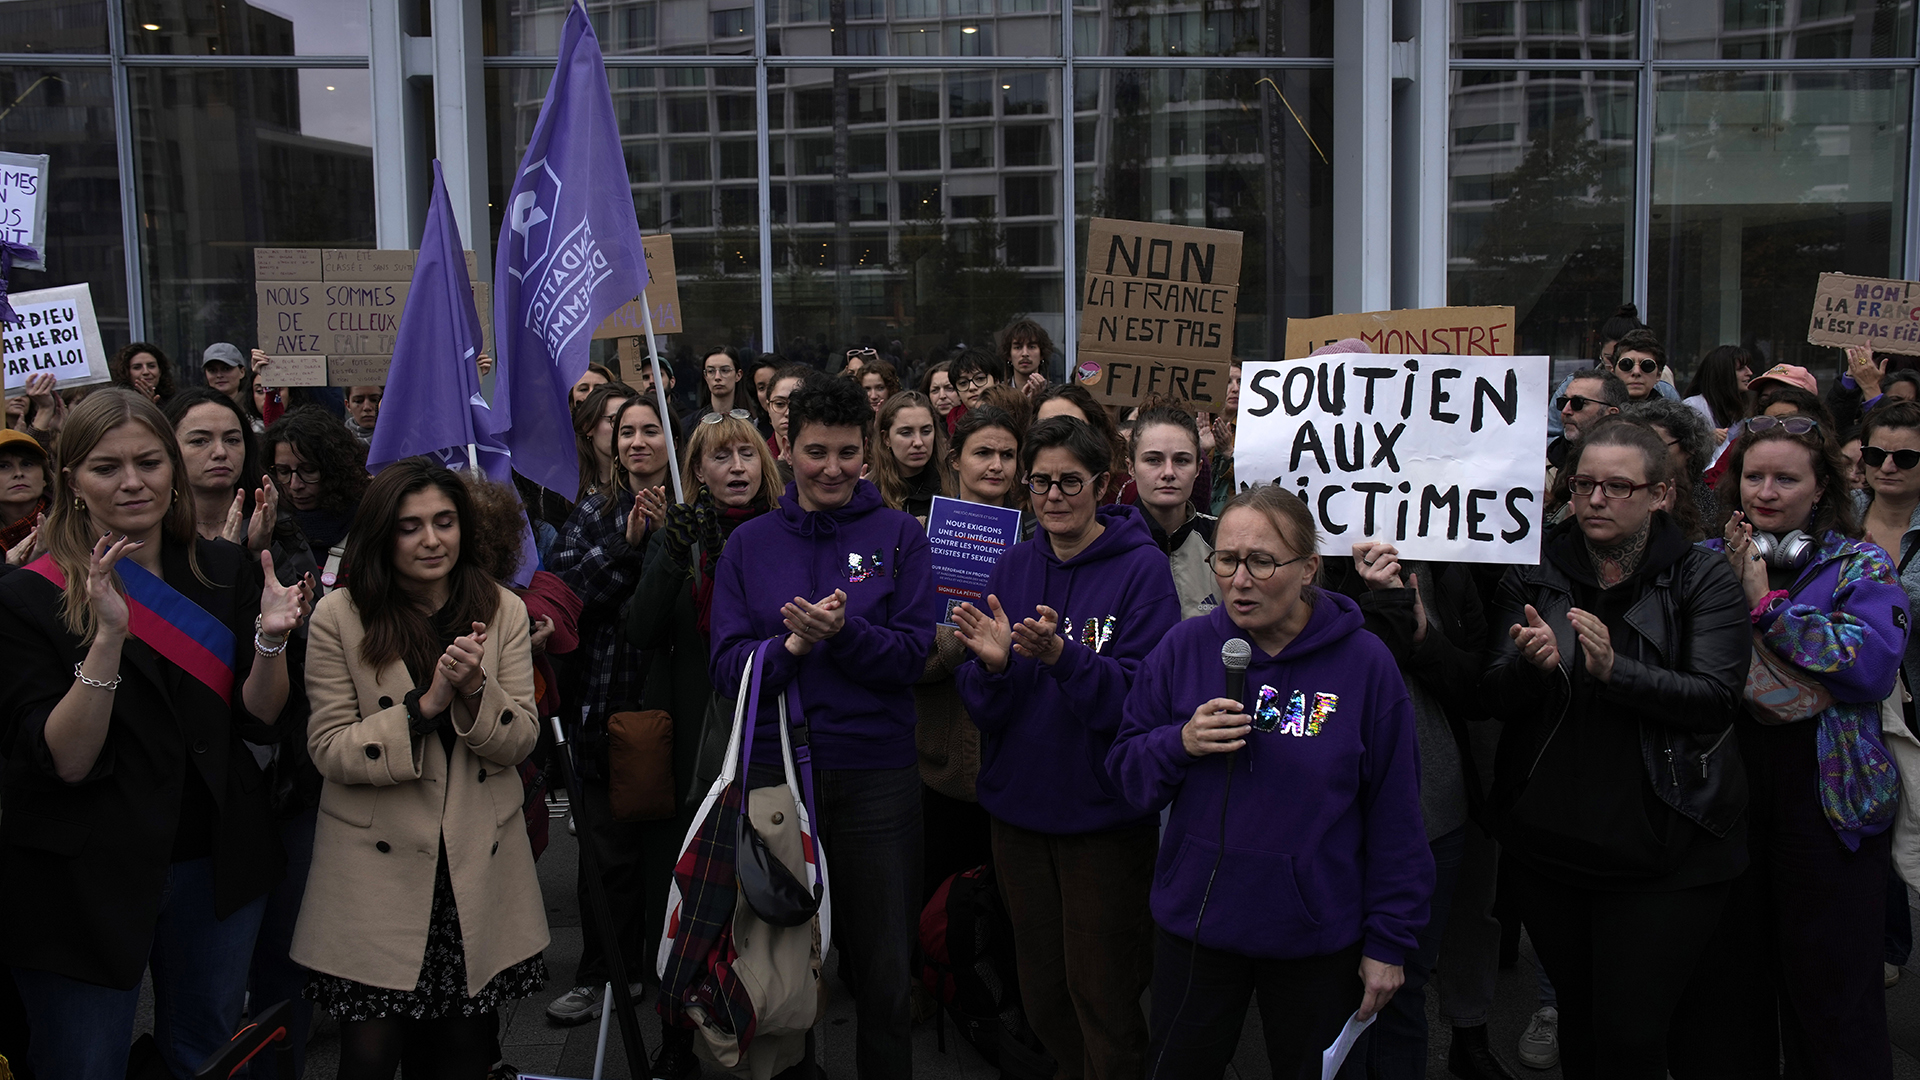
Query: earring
x=173, y=494
x=78, y=505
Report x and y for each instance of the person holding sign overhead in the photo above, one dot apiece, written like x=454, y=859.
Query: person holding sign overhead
x=138, y=834
x=1046, y=690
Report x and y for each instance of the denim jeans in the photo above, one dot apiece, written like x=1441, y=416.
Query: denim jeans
x=1395, y=1047
x=869, y=832
x=275, y=977
x=199, y=966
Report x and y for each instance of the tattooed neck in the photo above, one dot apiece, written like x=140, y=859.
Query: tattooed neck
x=1615, y=563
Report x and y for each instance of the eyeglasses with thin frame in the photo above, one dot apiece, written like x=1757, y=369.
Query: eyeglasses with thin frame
x=1874, y=457
x=1625, y=365
x=1578, y=402
x=308, y=473
x=1792, y=425
x=737, y=414
x=1584, y=486
x=1070, y=484
x=1260, y=565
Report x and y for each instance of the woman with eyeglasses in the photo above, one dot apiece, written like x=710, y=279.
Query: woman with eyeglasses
x=321, y=472
x=1295, y=867
x=1797, y=969
x=973, y=373
x=1617, y=788
x=910, y=445
x=1069, y=617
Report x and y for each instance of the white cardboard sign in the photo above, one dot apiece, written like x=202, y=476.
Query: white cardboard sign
x=1444, y=456
x=23, y=203
x=56, y=333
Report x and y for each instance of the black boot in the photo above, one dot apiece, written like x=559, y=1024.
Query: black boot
x=675, y=1060
x=1470, y=1058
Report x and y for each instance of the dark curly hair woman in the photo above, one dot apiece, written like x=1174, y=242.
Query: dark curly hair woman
x=141, y=367
x=321, y=471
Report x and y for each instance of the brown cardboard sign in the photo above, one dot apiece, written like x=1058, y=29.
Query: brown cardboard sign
x=662, y=293
x=358, y=370
x=1157, y=312
x=1880, y=313
x=1450, y=331
x=296, y=371
x=341, y=303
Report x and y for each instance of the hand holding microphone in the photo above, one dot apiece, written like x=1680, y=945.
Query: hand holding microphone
x=1220, y=726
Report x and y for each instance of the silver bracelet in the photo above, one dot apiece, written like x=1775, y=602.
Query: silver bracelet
x=260, y=640
x=95, y=683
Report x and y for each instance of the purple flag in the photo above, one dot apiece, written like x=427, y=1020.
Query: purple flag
x=569, y=256
x=433, y=405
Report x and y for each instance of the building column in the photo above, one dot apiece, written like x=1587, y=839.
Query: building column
x=1420, y=169
x=1362, y=155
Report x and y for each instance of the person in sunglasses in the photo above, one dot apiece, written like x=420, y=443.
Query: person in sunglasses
x=1617, y=668
x=1641, y=361
x=1797, y=967
x=1070, y=616
x=1589, y=397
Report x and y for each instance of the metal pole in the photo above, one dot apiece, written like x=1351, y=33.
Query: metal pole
x=622, y=995
x=660, y=396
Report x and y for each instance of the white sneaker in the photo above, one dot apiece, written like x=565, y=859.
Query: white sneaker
x=1540, y=1043
x=1892, y=974
x=582, y=1003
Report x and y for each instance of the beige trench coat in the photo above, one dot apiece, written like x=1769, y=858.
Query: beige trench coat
x=391, y=796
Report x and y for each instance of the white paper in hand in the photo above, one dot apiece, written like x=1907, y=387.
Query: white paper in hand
x=1336, y=1055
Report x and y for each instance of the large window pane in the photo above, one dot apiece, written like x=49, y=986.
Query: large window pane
x=1541, y=202
x=1760, y=183
x=624, y=27
x=53, y=26
x=67, y=114
x=1548, y=29
x=1777, y=30
x=698, y=183
x=924, y=261
x=1234, y=28
x=1219, y=149
x=233, y=159
x=261, y=28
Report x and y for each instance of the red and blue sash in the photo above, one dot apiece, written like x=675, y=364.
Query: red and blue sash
x=171, y=625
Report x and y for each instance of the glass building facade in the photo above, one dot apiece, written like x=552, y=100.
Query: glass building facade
x=922, y=171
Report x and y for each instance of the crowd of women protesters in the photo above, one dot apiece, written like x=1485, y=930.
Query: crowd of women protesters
x=276, y=730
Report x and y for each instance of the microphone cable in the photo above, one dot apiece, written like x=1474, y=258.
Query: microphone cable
x=1193, y=955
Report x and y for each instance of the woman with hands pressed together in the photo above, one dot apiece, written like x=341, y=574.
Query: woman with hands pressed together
x=1617, y=789
x=1803, y=941
x=843, y=586
x=1329, y=877
x=422, y=913
x=1046, y=690
x=137, y=829
x=26, y=493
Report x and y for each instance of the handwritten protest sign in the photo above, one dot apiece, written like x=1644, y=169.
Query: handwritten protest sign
x=663, y=295
x=968, y=540
x=56, y=334
x=23, y=204
x=1879, y=313
x=1157, y=312
x=343, y=304
x=1455, y=331
x=1443, y=456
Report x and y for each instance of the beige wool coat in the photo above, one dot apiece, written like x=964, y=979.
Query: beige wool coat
x=390, y=797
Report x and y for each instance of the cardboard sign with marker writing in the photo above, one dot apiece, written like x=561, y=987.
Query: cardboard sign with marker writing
x=1880, y=313
x=56, y=334
x=663, y=296
x=1453, y=331
x=343, y=304
x=23, y=204
x=1157, y=312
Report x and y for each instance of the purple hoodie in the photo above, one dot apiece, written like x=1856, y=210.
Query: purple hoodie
x=1326, y=845
x=857, y=686
x=1047, y=729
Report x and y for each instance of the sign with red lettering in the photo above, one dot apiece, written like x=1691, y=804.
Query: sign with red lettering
x=1157, y=312
x=1454, y=331
x=1880, y=313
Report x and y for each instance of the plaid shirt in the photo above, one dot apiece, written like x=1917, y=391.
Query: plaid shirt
x=593, y=557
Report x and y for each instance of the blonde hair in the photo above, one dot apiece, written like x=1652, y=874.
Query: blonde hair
x=727, y=431
x=69, y=534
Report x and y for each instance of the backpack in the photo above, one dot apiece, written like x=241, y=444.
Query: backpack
x=966, y=942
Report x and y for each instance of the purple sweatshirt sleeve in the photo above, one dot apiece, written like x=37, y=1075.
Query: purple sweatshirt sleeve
x=734, y=636
x=1147, y=761
x=894, y=651
x=1855, y=646
x=1103, y=680
x=1399, y=864
x=992, y=699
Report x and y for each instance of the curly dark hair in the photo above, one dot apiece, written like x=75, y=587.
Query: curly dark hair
x=118, y=366
x=829, y=401
x=323, y=440
x=499, y=522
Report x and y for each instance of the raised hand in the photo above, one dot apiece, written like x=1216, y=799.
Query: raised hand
x=990, y=636
x=21, y=553
x=266, y=512
x=1536, y=641
x=1596, y=643
x=1035, y=638
x=1378, y=563
x=1865, y=370
x=542, y=632
x=104, y=598
x=234, y=530
x=282, y=607
x=649, y=511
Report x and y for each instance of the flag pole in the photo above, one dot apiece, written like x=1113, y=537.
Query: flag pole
x=660, y=397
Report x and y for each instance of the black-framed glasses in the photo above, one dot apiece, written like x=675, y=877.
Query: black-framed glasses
x=1874, y=457
x=1625, y=365
x=1578, y=402
x=1792, y=425
x=1070, y=484
x=307, y=473
x=977, y=382
x=1260, y=565
x=1584, y=486
x=737, y=414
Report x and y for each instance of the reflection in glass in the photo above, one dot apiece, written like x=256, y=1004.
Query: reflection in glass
x=67, y=114
x=1760, y=183
x=794, y=28
x=1541, y=202
x=1776, y=30
x=233, y=159
x=1220, y=149
x=1548, y=29
x=238, y=28
x=53, y=26
x=1236, y=28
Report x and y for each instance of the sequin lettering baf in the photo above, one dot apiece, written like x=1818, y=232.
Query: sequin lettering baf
x=1323, y=706
x=1266, y=715
x=858, y=570
x=1094, y=633
x=1295, y=720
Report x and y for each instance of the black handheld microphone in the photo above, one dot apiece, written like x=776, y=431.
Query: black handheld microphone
x=1235, y=655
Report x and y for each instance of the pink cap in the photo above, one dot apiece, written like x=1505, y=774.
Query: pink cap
x=1789, y=374
x=1344, y=345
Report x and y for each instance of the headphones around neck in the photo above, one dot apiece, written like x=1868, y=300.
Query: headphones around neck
x=1792, y=551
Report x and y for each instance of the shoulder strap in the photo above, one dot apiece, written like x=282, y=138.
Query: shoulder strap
x=1908, y=557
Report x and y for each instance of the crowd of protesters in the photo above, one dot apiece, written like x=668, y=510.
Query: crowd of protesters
x=324, y=779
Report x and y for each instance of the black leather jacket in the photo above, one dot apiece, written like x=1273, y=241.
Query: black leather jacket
x=1680, y=672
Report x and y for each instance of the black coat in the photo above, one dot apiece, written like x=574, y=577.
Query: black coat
x=85, y=863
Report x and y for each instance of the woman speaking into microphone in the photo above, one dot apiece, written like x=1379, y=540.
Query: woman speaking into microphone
x=1329, y=877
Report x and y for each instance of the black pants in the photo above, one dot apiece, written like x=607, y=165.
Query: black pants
x=1618, y=961
x=622, y=848
x=1303, y=1005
